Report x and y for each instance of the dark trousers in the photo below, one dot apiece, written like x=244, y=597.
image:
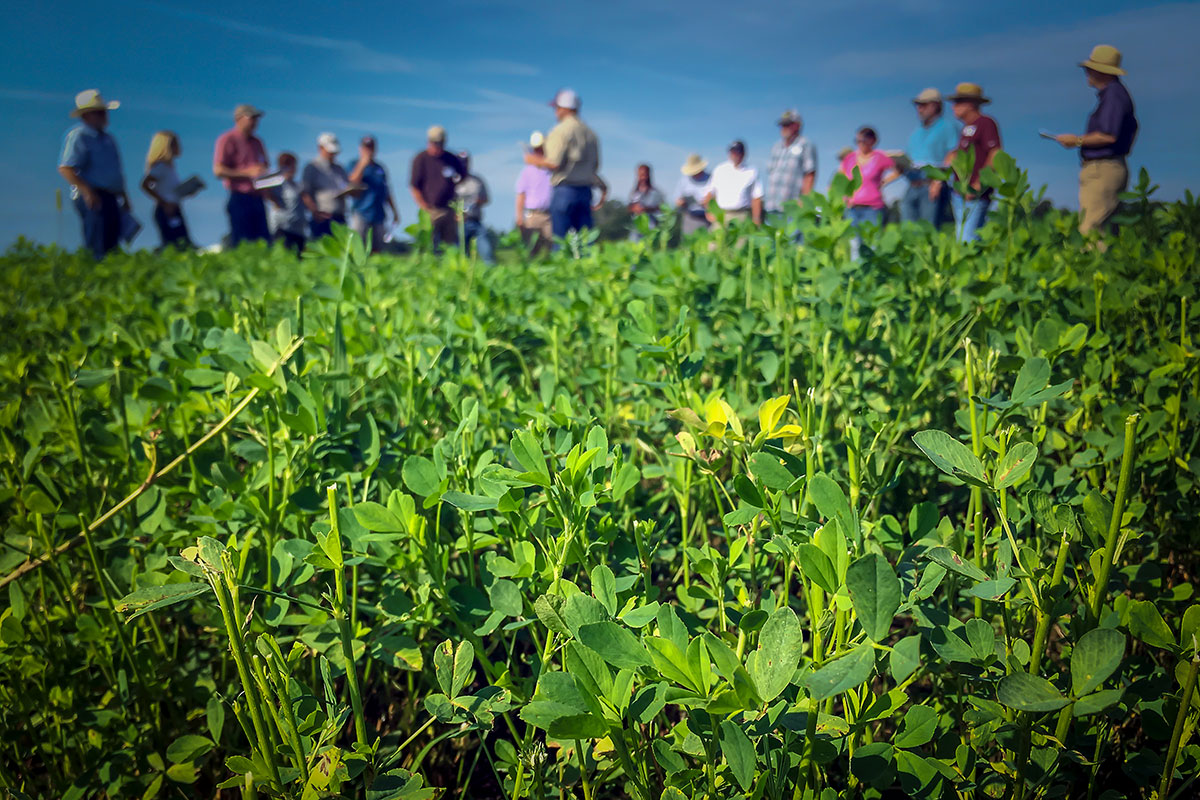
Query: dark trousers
x=292, y=241
x=318, y=229
x=102, y=224
x=570, y=208
x=172, y=229
x=247, y=218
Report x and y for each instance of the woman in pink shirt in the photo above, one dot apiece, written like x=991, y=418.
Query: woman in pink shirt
x=878, y=170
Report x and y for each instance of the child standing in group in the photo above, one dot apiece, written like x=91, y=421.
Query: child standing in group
x=286, y=211
x=161, y=182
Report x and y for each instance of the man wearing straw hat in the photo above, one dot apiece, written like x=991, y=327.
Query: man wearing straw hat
x=1107, y=140
x=92, y=165
x=690, y=192
x=981, y=135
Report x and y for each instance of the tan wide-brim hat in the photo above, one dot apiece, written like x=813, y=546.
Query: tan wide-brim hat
x=969, y=91
x=929, y=95
x=436, y=133
x=90, y=100
x=694, y=165
x=1104, y=58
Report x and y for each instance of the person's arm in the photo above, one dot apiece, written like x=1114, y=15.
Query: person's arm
x=484, y=197
x=603, y=193
x=520, y=208
x=306, y=194
x=756, y=200
x=810, y=169
x=148, y=184
x=1093, y=139
x=420, y=198
x=392, y=205
x=552, y=153
x=74, y=157
x=415, y=177
x=359, y=168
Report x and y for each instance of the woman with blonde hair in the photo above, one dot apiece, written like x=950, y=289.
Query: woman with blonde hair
x=162, y=184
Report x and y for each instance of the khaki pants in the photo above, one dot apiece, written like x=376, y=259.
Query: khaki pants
x=1100, y=182
x=445, y=227
x=731, y=215
x=537, y=223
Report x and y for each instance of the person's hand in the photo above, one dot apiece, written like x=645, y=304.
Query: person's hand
x=255, y=170
x=364, y=155
x=531, y=158
x=637, y=208
x=935, y=187
x=321, y=216
x=1067, y=140
x=90, y=198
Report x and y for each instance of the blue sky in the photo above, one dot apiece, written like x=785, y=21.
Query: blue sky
x=658, y=80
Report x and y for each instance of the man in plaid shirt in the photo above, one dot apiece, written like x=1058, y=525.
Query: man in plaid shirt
x=793, y=165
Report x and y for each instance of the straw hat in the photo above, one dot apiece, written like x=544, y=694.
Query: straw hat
x=969, y=91
x=436, y=133
x=929, y=95
x=694, y=165
x=1104, y=58
x=90, y=100
x=790, y=117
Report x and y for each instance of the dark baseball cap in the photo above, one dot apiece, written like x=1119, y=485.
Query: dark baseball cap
x=367, y=141
x=738, y=145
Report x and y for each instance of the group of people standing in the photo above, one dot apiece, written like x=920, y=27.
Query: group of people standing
x=555, y=192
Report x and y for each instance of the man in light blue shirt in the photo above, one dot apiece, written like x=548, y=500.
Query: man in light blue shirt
x=91, y=164
x=928, y=144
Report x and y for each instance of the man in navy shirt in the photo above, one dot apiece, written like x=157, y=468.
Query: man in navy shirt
x=91, y=164
x=1106, y=142
x=371, y=204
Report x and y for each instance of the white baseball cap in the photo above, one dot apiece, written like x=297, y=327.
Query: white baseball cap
x=566, y=98
x=329, y=142
x=536, y=139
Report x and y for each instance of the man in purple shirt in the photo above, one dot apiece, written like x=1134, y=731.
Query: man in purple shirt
x=533, y=200
x=1106, y=142
x=238, y=158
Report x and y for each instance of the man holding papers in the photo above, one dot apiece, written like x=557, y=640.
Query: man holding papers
x=1105, y=144
x=239, y=158
x=324, y=186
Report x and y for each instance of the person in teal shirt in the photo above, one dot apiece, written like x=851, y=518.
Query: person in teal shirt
x=928, y=145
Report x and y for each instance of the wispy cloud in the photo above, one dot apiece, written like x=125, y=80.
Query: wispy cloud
x=1027, y=53
x=35, y=96
x=499, y=66
x=354, y=54
x=267, y=61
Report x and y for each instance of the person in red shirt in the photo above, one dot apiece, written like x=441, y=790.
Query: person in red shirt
x=238, y=158
x=980, y=134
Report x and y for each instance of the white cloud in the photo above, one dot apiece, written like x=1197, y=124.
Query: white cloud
x=354, y=54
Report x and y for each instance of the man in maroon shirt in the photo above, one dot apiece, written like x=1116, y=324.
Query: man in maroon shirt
x=981, y=135
x=238, y=159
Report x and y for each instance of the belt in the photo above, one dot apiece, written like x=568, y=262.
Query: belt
x=1103, y=158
